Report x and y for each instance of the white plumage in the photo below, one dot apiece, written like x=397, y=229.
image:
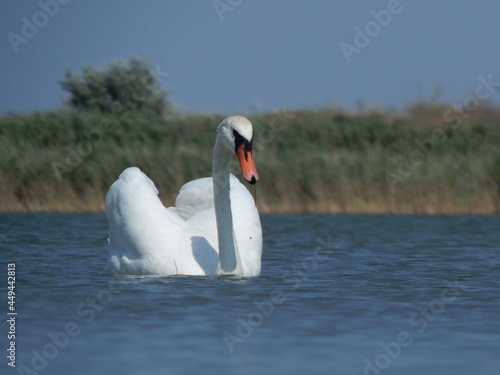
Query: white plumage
x=147, y=238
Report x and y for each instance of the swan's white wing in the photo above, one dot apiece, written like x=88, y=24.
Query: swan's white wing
x=140, y=227
x=195, y=196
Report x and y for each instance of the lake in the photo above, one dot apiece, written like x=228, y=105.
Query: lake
x=338, y=294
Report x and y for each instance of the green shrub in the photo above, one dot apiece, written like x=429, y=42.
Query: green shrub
x=118, y=88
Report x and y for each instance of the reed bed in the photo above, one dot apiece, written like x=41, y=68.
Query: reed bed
x=323, y=161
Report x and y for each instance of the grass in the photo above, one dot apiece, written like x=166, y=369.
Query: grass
x=323, y=161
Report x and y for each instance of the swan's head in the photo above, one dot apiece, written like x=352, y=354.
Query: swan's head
x=237, y=132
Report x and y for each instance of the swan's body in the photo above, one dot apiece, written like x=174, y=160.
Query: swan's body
x=213, y=229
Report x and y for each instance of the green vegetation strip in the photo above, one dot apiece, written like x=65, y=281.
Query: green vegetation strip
x=427, y=160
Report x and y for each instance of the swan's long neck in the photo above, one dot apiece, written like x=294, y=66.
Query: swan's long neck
x=229, y=260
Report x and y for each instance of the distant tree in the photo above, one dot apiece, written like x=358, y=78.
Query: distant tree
x=119, y=87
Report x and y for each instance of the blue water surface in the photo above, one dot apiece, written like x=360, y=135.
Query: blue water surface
x=338, y=294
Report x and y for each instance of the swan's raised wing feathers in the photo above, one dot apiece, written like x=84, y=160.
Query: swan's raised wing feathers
x=195, y=196
x=138, y=221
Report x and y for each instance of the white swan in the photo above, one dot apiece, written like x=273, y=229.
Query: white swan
x=214, y=228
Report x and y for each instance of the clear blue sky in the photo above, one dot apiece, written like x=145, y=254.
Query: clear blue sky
x=262, y=55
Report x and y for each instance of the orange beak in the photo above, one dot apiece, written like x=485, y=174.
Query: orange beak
x=247, y=165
